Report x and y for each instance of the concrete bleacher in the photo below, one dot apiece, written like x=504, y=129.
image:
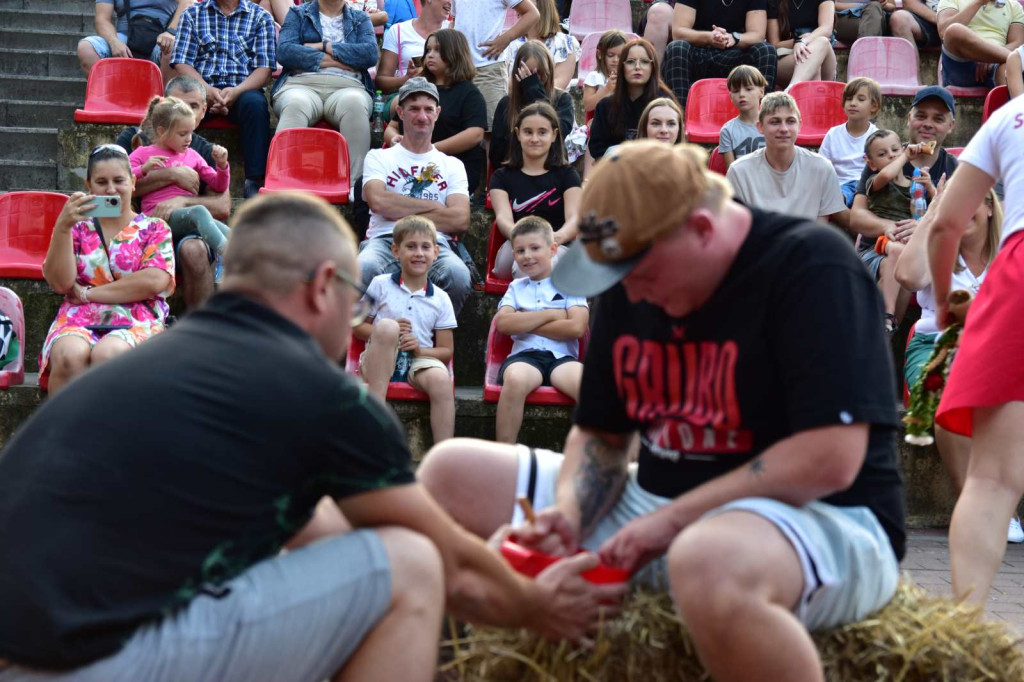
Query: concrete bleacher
x=42, y=148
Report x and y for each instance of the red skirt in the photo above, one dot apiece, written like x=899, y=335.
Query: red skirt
x=989, y=367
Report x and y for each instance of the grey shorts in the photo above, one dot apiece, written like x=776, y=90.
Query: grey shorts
x=849, y=567
x=298, y=616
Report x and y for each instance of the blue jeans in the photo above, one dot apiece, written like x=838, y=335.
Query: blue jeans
x=849, y=190
x=252, y=116
x=447, y=272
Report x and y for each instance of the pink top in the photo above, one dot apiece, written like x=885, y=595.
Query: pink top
x=218, y=180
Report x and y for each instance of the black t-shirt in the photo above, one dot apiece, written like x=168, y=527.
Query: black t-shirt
x=804, y=15
x=172, y=469
x=601, y=134
x=539, y=195
x=732, y=16
x=944, y=163
x=462, y=107
x=790, y=341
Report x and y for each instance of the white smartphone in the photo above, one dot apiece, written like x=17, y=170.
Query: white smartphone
x=106, y=207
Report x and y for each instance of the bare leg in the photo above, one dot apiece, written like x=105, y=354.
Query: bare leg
x=902, y=24
x=327, y=520
x=87, y=56
x=810, y=68
x=520, y=380
x=887, y=277
x=784, y=70
x=413, y=624
x=379, y=360
x=69, y=357
x=659, y=25
x=737, y=598
x=966, y=44
x=437, y=383
x=995, y=481
x=196, y=272
x=566, y=378
x=108, y=348
x=955, y=451
x=474, y=480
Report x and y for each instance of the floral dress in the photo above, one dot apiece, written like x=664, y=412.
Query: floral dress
x=144, y=243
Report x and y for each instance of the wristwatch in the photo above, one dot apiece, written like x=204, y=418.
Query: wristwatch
x=170, y=29
x=736, y=35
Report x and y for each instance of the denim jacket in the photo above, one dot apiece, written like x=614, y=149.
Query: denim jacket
x=302, y=25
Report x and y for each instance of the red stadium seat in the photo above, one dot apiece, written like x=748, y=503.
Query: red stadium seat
x=821, y=108
x=26, y=226
x=309, y=159
x=906, y=389
x=588, y=55
x=716, y=162
x=498, y=347
x=960, y=91
x=598, y=16
x=397, y=390
x=13, y=374
x=492, y=284
x=955, y=151
x=893, y=62
x=997, y=97
x=215, y=122
x=708, y=108
x=119, y=91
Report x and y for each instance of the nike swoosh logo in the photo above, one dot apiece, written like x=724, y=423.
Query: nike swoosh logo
x=552, y=202
x=532, y=202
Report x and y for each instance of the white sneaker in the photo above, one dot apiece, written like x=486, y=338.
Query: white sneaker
x=1015, y=534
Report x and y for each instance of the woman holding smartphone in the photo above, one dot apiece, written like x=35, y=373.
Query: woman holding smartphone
x=115, y=268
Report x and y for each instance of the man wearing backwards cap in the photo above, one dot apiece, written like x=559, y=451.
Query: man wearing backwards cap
x=742, y=350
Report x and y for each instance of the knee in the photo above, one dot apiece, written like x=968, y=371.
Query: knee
x=518, y=383
x=659, y=14
x=86, y=54
x=678, y=50
x=765, y=49
x=955, y=33
x=900, y=20
x=68, y=360
x=194, y=259
x=417, y=572
x=385, y=332
x=701, y=574
x=253, y=104
x=108, y=350
x=442, y=467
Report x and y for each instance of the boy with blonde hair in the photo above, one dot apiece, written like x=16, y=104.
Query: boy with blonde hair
x=545, y=326
x=408, y=331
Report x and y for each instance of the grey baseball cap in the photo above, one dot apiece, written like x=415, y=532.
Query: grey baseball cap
x=415, y=86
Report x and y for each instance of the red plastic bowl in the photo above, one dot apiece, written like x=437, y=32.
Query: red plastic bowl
x=531, y=563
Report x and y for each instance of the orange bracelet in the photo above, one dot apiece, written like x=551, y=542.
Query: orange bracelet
x=880, y=245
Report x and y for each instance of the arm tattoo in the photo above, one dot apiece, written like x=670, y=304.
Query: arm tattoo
x=756, y=467
x=599, y=481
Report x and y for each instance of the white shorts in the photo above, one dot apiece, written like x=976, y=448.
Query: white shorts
x=849, y=567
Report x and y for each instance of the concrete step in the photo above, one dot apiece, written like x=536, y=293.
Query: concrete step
x=45, y=88
x=86, y=7
x=38, y=40
x=40, y=175
x=36, y=114
x=30, y=144
x=48, y=20
x=20, y=62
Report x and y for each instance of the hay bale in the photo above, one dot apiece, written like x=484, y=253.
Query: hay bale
x=915, y=638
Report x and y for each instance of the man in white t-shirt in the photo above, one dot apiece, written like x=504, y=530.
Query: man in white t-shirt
x=482, y=22
x=785, y=178
x=414, y=178
x=984, y=395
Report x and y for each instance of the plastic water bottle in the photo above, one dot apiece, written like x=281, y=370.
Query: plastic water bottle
x=377, y=127
x=918, y=200
x=402, y=364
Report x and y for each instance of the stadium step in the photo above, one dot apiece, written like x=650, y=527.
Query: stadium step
x=38, y=40
x=68, y=6
x=37, y=174
x=29, y=144
x=39, y=20
x=35, y=113
x=47, y=88
x=21, y=62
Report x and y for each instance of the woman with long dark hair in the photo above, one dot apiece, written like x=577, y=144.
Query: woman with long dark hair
x=617, y=117
x=801, y=31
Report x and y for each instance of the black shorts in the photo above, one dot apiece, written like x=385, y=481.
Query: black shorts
x=543, y=360
x=931, y=32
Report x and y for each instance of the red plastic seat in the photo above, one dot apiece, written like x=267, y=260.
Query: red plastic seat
x=716, y=162
x=309, y=159
x=955, y=151
x=893, y=62
x=13, y=374
x=397, y=390
x=598, y=16
x=498, y=347
x=821, y=108
x=960, y=91
x=26, y=226
x=493, y=284
x=997, y=97
x=588, y=55
x=119, y=91
x=708, y=108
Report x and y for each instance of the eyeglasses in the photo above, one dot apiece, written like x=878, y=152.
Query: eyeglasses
x=116, y=148
x=362, y=306
x=642, y=62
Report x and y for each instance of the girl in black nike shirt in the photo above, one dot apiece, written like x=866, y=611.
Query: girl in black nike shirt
x=537, y=180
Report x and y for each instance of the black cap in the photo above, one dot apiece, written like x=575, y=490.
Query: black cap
x=936, y=91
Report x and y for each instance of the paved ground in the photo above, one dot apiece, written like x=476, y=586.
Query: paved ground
x=927, y=562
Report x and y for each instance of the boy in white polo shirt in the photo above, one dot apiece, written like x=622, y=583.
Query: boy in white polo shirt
x=545, y=327
x=408, y=332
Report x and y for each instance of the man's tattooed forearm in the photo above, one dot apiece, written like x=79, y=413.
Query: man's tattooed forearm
x=756, y=467
x=599, y=481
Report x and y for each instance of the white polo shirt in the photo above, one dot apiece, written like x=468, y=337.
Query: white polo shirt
x=428, y=309
x=527, y=295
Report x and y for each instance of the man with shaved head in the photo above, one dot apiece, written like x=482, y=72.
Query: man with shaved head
x=148, y=553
